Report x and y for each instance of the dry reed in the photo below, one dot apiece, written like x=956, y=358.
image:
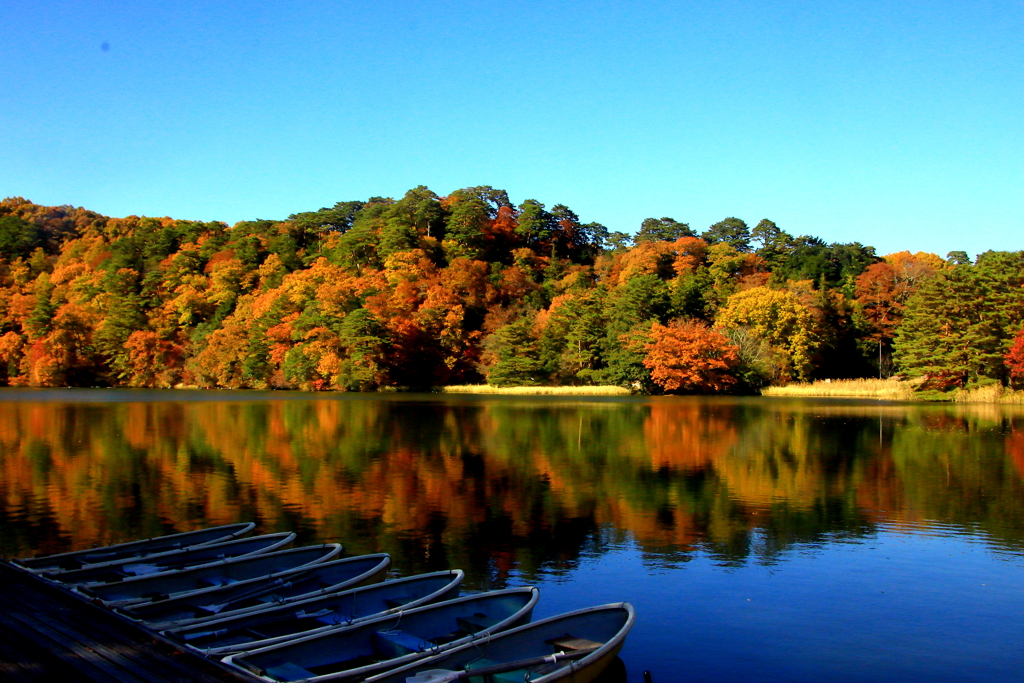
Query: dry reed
x=894, y=390
x=882, y=389
x=544, y=391
x=993, y=393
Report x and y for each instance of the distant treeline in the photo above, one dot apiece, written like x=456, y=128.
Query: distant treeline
x=428, y=291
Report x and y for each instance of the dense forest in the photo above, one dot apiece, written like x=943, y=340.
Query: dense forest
x=427, y=291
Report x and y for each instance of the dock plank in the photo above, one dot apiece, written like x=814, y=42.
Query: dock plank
x=65, y=627
x=26, y=659
x=48, y=634
x=95, y=653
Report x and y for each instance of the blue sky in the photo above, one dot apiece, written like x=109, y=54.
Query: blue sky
x=896, y=124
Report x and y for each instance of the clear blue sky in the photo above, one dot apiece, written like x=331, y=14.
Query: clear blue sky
x=896, y=123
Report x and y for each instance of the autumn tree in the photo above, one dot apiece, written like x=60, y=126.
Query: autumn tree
x=780, y=319
x=1014, y=358
x=690, y=357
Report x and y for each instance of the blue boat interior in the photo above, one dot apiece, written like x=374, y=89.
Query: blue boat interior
x=387, y=644
x=344, y=610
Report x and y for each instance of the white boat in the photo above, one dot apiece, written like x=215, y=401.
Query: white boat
x=257, y=594
x=119, y=570
x=223, y=635
x=205, y=578
x=352, y=653
x=575, y=647
x=142, y=548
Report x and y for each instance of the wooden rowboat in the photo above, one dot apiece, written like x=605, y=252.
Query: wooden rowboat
x=182, y=581
x=119, y=570
x=351, y=653
x=222, y=636
x=142, y=548
x=576, y=646
x=259, y=593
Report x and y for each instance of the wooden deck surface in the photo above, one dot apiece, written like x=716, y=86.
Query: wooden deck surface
x=49, y=635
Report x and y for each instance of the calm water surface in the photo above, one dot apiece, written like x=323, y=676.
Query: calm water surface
x=759, y=539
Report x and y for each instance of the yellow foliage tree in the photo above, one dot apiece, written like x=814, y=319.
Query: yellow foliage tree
x=779, y=318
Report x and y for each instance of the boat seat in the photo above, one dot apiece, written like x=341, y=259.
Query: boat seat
x=288, y=672
x=399, y=643
x=568, y=643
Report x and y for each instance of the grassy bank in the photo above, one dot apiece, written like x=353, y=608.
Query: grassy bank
x=990, y=394
x=536, y=391
x=893, y=390
x=882, y=389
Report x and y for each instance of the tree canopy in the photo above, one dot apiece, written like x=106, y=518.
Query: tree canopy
x=425, y=290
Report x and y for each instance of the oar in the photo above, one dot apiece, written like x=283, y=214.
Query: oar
x=256, y=591
x=246, y=595
x=281, y=617
x=445, y=676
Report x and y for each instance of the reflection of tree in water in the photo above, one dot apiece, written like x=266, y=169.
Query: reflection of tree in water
x=503, y=486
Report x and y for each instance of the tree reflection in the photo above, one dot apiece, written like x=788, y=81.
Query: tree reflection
x=499, y=486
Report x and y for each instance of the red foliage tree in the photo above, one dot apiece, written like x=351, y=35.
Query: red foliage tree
x=1014, y=358
x=690, y=356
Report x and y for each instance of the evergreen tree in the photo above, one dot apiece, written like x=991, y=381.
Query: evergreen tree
x=518, y=361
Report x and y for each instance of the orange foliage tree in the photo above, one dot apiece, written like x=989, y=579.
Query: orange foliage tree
x=689, y=356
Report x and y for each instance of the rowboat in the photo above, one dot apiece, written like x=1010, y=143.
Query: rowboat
x=182, y=581
x=259, y=593
x=141, y=548
x=118, y=570
x=222, y=636
x=575, y=646
x=351, y=653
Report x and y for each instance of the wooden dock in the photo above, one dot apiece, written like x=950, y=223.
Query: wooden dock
x=47, y=634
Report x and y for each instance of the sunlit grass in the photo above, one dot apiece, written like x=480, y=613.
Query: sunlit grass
x=534, y=391
x=893, y=390
x=989, y=394
x=883, y=389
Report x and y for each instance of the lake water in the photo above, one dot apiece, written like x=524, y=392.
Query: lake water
x=758, y=539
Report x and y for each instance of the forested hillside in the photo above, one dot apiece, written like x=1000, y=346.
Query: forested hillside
x=428, y=291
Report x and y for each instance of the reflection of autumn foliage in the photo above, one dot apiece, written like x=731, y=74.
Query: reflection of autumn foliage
x=688, y=436
x=1015, y=449
x=782, y=462
x=451, y=483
